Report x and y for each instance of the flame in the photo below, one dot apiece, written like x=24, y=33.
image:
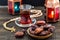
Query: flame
x=52, y=14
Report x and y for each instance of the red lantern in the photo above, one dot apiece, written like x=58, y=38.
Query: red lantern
x=52, y=14
x=52, y=10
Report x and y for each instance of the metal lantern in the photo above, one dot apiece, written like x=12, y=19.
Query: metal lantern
x=52, y=10
x=14, y=6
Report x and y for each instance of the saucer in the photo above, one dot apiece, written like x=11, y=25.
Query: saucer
x=17, y=22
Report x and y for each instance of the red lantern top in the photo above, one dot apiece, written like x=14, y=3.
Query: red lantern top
x=52, y=3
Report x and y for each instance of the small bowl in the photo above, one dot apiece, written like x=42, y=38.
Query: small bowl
x=39, y=37
x=17, y=22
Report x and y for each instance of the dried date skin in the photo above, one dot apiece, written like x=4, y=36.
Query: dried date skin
x=47, y=26
x=38, y=30
x=32, y=32
x=44, y=33
x=39, y=23
x=19, y=34
x=42, y=30
x=51, y=29
x=33, y=27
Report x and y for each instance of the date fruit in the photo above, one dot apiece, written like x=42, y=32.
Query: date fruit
x=39, y=23
x=43, y=33
x=38, y=30
x=19, y=34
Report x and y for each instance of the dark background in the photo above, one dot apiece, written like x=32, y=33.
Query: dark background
x=32, y=2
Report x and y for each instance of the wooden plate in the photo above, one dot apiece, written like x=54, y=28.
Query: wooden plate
x=38, y=37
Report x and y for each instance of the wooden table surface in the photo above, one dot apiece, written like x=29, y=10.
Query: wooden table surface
x=7, y=35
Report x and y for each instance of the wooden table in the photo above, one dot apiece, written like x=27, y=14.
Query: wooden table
x=7, y=35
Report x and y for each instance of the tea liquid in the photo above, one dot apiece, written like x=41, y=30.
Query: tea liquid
x=25, y=17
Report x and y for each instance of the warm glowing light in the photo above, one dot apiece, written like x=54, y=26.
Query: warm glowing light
x=51, y=15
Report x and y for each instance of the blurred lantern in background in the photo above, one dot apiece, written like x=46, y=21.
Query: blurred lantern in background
x=52, y=10
x=14, y=6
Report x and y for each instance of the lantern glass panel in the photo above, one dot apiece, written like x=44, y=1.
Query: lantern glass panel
x=17, y=7
x=50, y=13
x=57, y=14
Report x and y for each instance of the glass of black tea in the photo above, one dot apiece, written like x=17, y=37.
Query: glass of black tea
x=25, y=14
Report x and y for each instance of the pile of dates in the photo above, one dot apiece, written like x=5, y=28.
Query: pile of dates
x=41, y=28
